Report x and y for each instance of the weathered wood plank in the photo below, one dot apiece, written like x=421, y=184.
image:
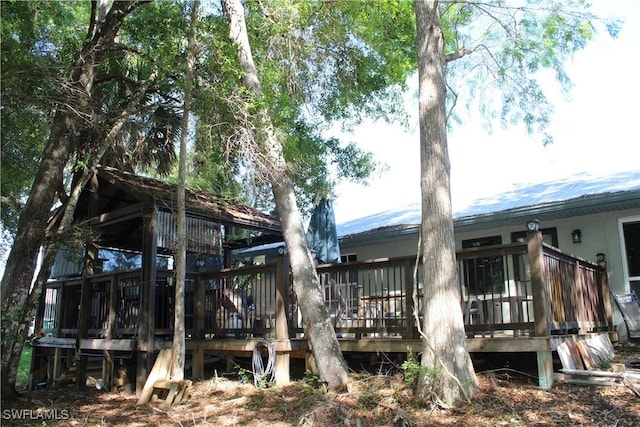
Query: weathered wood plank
x=105, y=344
x=160, y=370
x=565, y=356
x=584, y=353
x=607, y=374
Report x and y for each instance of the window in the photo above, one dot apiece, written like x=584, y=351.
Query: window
x=484, y=275
x=349, y=258
x=630, y=230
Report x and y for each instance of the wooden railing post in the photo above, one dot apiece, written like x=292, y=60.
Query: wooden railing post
x=409, y=290
x=57, y=324
x=606, y=294
x=580, y=311
x=540, y=293
x=282, y=325
x=147, y=317
x=539, y=288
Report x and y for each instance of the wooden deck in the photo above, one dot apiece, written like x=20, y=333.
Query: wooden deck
x=521, y=297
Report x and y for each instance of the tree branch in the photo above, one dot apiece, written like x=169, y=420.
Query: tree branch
x=457, y=54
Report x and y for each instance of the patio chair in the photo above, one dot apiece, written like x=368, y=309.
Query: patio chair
x=629, y=306
x=335, y=303
x=473, y=314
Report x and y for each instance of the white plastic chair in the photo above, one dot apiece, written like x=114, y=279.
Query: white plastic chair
x=474, y=310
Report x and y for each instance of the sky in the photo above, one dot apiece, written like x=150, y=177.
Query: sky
x=595, y=131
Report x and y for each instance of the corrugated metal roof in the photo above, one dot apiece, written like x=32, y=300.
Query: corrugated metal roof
x=580, y=191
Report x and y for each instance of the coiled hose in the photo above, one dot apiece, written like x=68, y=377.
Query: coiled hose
x=263, y=375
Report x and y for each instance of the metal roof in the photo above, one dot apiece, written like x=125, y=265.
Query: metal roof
x=581, y=194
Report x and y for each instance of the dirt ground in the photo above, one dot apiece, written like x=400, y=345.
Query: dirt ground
x=507, y=397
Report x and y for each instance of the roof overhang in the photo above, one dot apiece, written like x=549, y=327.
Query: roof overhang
x=588, y=205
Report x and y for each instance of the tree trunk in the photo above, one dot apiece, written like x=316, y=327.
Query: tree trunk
x=30, y=235
x=332, y=367
x=179, y=351
x=448, y=371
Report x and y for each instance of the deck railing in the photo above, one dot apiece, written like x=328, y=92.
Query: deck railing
x=579, y=294
x=495, y=289
x=500, y=289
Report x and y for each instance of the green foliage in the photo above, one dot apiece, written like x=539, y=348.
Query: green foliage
x=319, y=62
x=368, y=399
x=244, y=375
x=356, y=57
x=312, y=380
x=499, y=51
x=411, y=371
x=605, y=364
x=37, y=41
x=24, y=366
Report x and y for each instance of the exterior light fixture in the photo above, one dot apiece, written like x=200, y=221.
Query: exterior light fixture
x=576, y=236
x=601, y=257
x=533, y=225
x=199, y=262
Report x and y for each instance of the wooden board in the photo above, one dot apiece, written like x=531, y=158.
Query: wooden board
x=178, y=391
x=565, y=356
x=584, y=354
x=160, y=371
x=600, y=348
x=575, y=354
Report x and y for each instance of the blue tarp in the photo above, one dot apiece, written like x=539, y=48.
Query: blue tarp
x=322, y=236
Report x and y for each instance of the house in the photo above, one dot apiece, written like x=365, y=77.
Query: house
x=584, y=216
x=591, y=217
x=524, y=296
x=110, y=296
x=590, y=229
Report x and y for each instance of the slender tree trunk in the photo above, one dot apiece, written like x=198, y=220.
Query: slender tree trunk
x=448, y=372
x=179, y=351
x=332, y=367
x=30, y=235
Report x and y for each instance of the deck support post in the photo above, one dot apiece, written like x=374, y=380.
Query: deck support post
x=57, y=364
x=545, y=369
x=197, y=364
x=282, y=367
x=147, y=319
x=84, y=316
x=310, y=363
x=540, y=294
